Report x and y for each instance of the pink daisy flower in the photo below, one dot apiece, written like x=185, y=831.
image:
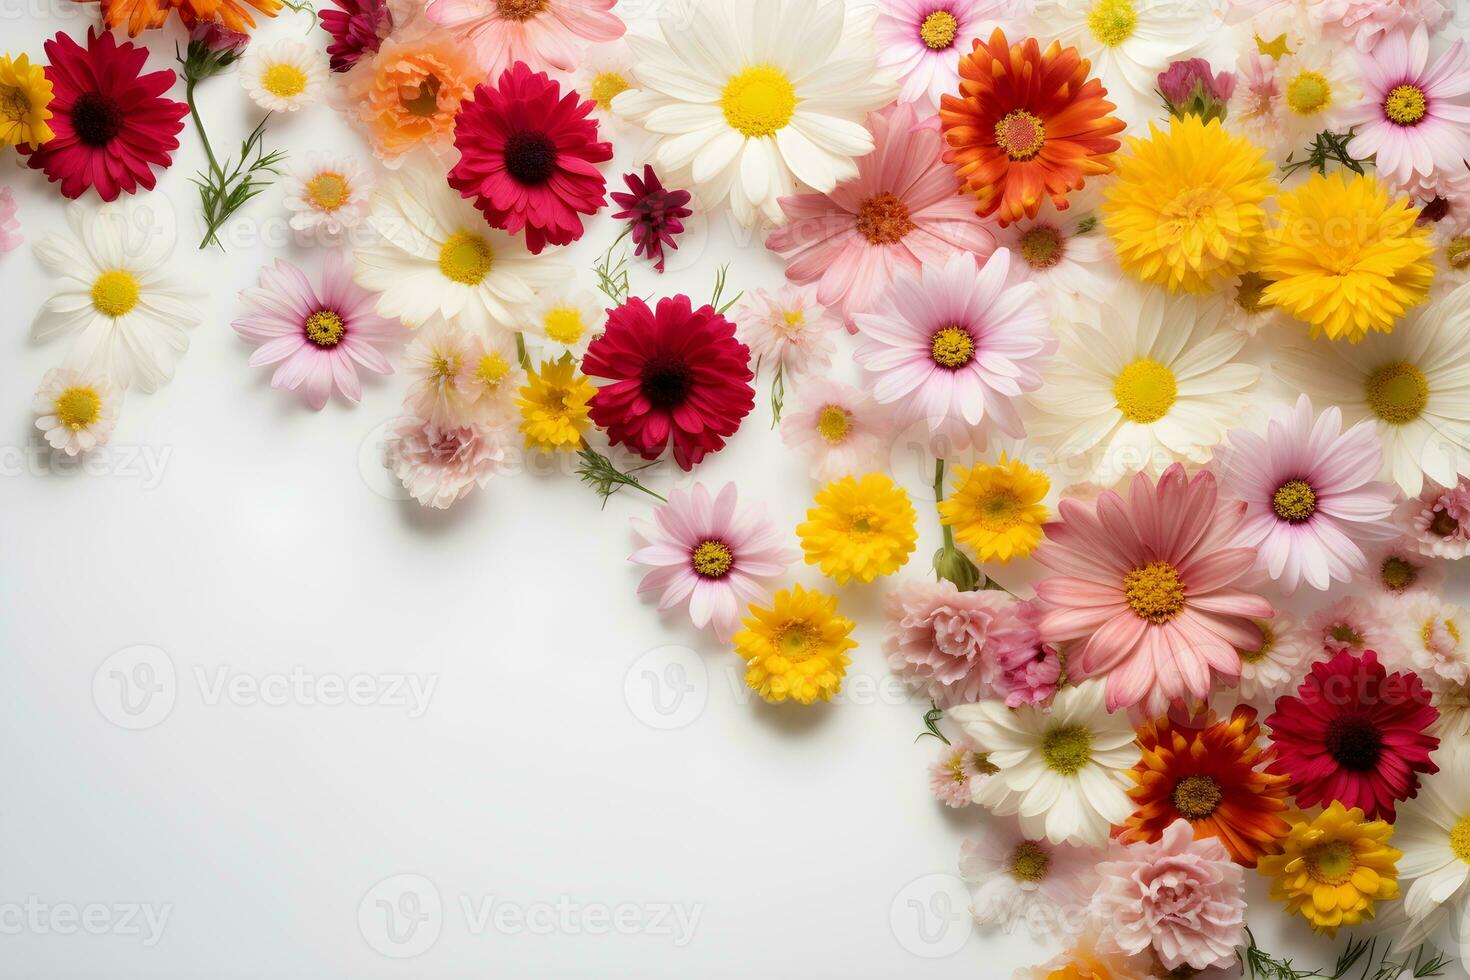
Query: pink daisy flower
x=1398, y=570
x=901, y=211
x=958, y=769
x=1310, y=500
x=1412, y=116
x=923, y=41
x=10, y=236
x=319, y=337
x=711, y=555
x=1149, y=586
x=1438, y=519
x=842, y=431
x=956, y=348
x=1350, y=624
x=440, y=464
x=541, y=33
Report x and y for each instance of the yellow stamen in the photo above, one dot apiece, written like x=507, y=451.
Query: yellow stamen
x=327, y=191
x=1145, y=391
x=1405, y=105
x=466, y=257
x=325, y=328
x=952, y=347
x=1397, y=392
x=712, y=559
x=1020, y=134
x=1029, y=862
x=77, y=408
x=1155, y=591
x=606, y=86
x=759, y=101
x=284, y=81
x=115, y=293
x=1308, y=93
x=833, y=424
x=1112, y=21
x=939, y=29
x=563, y=324
x=1294, y=501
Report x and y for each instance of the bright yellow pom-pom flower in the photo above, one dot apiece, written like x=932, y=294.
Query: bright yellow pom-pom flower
x=25, y=100
x=1185, y=211
x=1346, y=258
x=554, y=406
x=1334, y=867
x=859, y=529
x=997, y=510
x=797, y=648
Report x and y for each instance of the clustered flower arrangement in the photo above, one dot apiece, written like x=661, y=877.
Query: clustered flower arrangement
x=1052, y=232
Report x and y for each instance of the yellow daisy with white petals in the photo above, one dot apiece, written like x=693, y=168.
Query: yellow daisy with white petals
x=283, y=75
x=565, y=321
x=326, y=193
x=1319, y=83
x=76, y=410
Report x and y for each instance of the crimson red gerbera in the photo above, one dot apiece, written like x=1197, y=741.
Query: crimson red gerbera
x=112, y=124
x=676, y=373
x=1354, y=733
x=528, y=157
x=654, y=214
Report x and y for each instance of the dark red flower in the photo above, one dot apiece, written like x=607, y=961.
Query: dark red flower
x=112, y=124
x=677, y=373
x=1354, y=733
x=357, y=28
x=654, y=213
x=528, y=157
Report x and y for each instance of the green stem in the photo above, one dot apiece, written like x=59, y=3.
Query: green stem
x=214, y=166
x=938, y=499
x=521, y=354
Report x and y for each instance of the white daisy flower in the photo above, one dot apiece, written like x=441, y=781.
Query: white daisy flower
x=748, y=98
x=77, y=410
x=117, y=294
x=433, y=253
x=842, y=430
x=1156, y=383
x=1414, y=383
x=604, y=73
x=283, y=75
x=1434, y=635
x=1277, y=665
x=565, y=321
x=1018, y=879
x=1319, y=84
x=1433, y=831
x=1246, y=309
x=326, y=193
x=1064, y=766
x=1066, y=253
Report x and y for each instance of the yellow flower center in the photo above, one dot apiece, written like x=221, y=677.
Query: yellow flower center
x=325, y=328
x=1396, y=573
x=999, y=510
x=833, y=424
x=283, y=81
x=1112, y=21
x=1268, y=643
x=605, y=87
x=794, y=320
x=1397, y=392
x=492, y=369
x=1457, y=252
x=1020, y=134
x=884, y=219
x=712, y=559
x=327, y=191
x=796, y=640
x=1029, y=862
x=952, y=347
x=1067, y=749
x=564, y=325
x=1155, y=591
x=1294, y=501
x=759, y=101
x=860, y=523
x=444, y=366
x=115, y=293
x=1308, y=92
x=1275, y=48
x=15, y=104
x=1145, y=391
x=1196, y=797
x=1041, y=247
x=1426, y=631
x=957, y=771
x=1331, y=863
x=1405, y=105
x=466, y=257
x=520, y=9
x=1250, y=292
x=1460, y=840
x=939, y=29
x=1343, y=633
x=77, y=408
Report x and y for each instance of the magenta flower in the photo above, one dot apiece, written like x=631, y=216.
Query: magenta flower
x=1309, y=493
x=357, y=28
x=320, y=337
x=1189, y=87
x=654, y=214
x=1149, y=587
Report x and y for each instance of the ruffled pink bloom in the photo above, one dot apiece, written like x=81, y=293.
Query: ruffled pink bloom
x=912, y=41
x=1350, y=624
x=1030, y=667
x=1438, y=520
x=542, y=33
x=939, y=639
x=899, y=212
x=711, y=555
x=1182, y=897
x=1150, y=588
x=952, y=776
x=10, y=236
x=319, y=337
x=1365, y=22
x=1443, y=199
x=440, y=464
x=1412, y=115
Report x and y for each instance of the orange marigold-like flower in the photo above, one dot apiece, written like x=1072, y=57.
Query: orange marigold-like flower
x=1026, y=124
x=140, y=15
x=1207, y=772
x=408, y=95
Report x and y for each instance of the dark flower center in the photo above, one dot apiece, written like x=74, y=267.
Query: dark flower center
x=530, y=157
x=667, y=380
x=96, y=118
x=1196, y=797
x=1354, y=741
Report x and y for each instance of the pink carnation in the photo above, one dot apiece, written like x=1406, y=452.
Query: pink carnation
x=1364, y=22
x=439, y=464
x=937, y=639
x=1029, y=666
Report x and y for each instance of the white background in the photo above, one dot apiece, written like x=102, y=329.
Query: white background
x=576, y=750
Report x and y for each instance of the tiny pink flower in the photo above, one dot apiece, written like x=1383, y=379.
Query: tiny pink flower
x=958, y=769
x=1350, y=624
x=1029, y=667
x=1438, y=519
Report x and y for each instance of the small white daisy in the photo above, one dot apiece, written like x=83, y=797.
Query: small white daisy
x=787, y=331
x=1020, y=879
x=604, y=73
x=326, y=193
x=1319, y=86
x=1278, y=663
x=843, y=431
x=1066, y=253
x=565, y=321
x=1433, y=831
x=1246, y=309
x=283, y=75
x=77, y=410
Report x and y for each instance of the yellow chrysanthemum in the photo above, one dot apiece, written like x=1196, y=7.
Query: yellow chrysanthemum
x=997, y=510
x=25, y=102
x=859, y=529
x=1346, y=258
x=797, y=648
x=1185, y=211
x=1334, y=867
x=553, y=405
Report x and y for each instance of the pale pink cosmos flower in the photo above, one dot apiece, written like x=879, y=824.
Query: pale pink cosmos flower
x=924, y=39
x=542, y=33
x=1398, y=570
x=318, y=336
x=1151, y=588
x=1350, y=624
x=953, y=776
x=901, y=211
x=1438, y=519
x=1412, y=118
x=956, y=348
x=1256, y=104
x=841, y=429
x=939, y=639
x=10, y=236
x=1182, y=898
x=1364, y=23
x=786, y=331
x=710, y=554
x=1016, y=879
x=440, y=464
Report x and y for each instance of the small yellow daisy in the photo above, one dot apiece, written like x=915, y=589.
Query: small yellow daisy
x=859, y=529
x=553, y=406
x=25, y=100
x=997, y=510
x=1334, y=867
x=797, y=648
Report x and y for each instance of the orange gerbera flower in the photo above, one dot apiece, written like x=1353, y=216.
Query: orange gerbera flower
x=140, y=15
x=1026, y=123
x=1207, y=772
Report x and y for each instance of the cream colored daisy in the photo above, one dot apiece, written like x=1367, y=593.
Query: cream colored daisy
x=283, y=75
x=604, y=73
x=565, y=320
x=76, y=409
x=326, y=193
x=1319, y=84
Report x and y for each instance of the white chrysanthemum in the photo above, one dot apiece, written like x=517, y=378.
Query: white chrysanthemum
x=1433, y=831
x=1150, y=382
x=749, y=98
x=1062, y=766
x=117, y=292
x=1128, y=42
x=283, y=75
x=1278, y=664
x=326, y=193
x=1016, y=879
x=1434, y=636
x=1066, y=253
x=1414, y=383
x=565, y=321
x=1319, y=84
x=433, y=253
x=76, y=410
